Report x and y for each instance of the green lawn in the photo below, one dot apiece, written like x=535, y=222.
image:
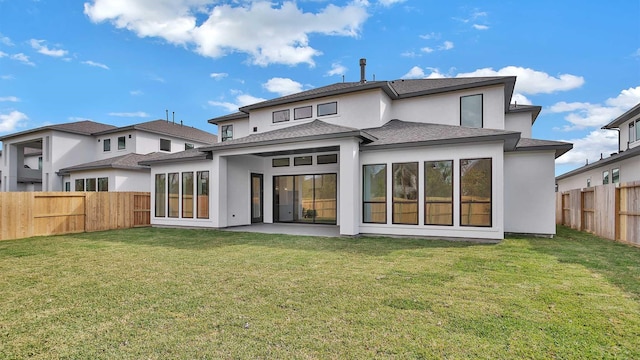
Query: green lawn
x=174, y=293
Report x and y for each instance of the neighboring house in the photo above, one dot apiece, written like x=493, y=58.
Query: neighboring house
x=433, y=157
x=623, y=166
x=90, y=156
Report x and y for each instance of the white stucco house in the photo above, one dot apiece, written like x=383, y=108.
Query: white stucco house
x=90, y=156
x=433, y=157
x=622, y=166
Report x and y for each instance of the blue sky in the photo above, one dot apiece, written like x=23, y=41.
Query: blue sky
x=127, y=61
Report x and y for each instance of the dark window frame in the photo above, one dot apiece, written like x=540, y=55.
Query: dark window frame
x=100, y=184
x=224, y=132
x=320, y=159
x=481, y=109
x=296, y=160
x=285, y=119
x=605, y=177
x=106, y=145
x=615, y=175
x=163, y=206
x=320, y=113
x=438, y=202
x=122, y=139
x=185, y=191
x=177, y=193
x=386, y=215
x=199, y=193
x=188, y=146
x=78, y=182
x=163, y=145
x=91, y=184
x=416, y=201
x=296, y=117
x=460, y=202
x=273, y=162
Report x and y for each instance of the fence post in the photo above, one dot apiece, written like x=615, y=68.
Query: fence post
x=616, y=214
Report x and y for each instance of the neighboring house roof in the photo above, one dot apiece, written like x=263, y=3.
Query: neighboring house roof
x=128, y=162
x=526, y=144
x=611, y=159
x=235, y=116
x=396, y=89
x=634, y=111
x=187, y=155
x=397, y=133
x=164, y=127
x=85, y=127
x=535, y=110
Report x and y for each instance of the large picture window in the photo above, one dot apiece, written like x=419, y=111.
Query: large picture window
x=174, y=194
x=405, y=193
x=187, y=195
x=471, y=111
x=161, y=188
x=438, y=192
x=475, y=192
x=374, y=194
x=203, y=195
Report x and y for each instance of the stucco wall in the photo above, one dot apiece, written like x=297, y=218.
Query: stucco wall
x=529, y=205
x=520, y=122
x=437, y=153
x=240, y=128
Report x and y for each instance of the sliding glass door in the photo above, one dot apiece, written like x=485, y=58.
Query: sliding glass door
x=305, y=198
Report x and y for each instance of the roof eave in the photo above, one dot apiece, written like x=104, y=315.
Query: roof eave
x=628, y=115
x=559, y=149
x=510, y=140
x=203, y=156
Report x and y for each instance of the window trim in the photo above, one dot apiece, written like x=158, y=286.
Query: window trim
x=285, y=111
x=273, y=162
x=177, y=193
x=416, y=201
x=106, y=145
x=453, y=180
x=319, y=114
x=164, y=192
x=310, y=107
x=198, y=183
x=481, y=109
x=605, y=175
x=188, y=146
x=613, y=176
x=224, y=129
x=326, y=156
x=386, y=216
x=185, y=191
x=98, y=187
x=165, y=142
x=295, y=160
x=124, y=142
x=460, y=202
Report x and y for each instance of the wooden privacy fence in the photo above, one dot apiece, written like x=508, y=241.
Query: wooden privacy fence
x=26, y=214
x=610, y=211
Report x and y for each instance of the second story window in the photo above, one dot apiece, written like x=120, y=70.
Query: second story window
x=106, y=145
x=304, y=112
x=188, y=146
x=615, y=176
x=281, y=116
x=605, y=177
x=471, y=111
x=122, y=143
x=226, y=132
x=165, y=145
x=328, y=109
x=632, y=132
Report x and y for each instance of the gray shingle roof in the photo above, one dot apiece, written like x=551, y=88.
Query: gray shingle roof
x=526, y=144
x=234, y=116
x=128, y=161
x=85, y=127
x=187, y=155
x=397, y=133
x=611, y=159
x=533, y=109
x=164, y=127
x=634, y=111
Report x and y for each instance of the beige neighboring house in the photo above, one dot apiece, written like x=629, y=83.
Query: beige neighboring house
x=90, y=156
x=620, y=167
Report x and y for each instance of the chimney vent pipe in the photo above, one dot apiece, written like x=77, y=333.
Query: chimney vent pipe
x=363, y=65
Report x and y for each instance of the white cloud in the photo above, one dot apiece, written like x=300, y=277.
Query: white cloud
x=583, y=115
x=7, y=77
x=218, y=76
x=3, y=54
x=531, y=81
x=590, y=147
x=426, y=49
x=23, y=59
x=337, y=69
x=447, y=45
x=140, y=114
x=410, y=54
x=96, y=64
x=636, y=53
x=156, y=78
x=388, y=3
x=39, y=46
x=136, y=92
x=430, y=36
x=520, y=99
x=268, y=32
x=10, y=121
x=282, y=86
x=241, y=100
x=9, y=98
x=416, y=72
x=5, y=40
x=480, y=27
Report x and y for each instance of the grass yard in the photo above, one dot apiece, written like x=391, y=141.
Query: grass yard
x=203, y=294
